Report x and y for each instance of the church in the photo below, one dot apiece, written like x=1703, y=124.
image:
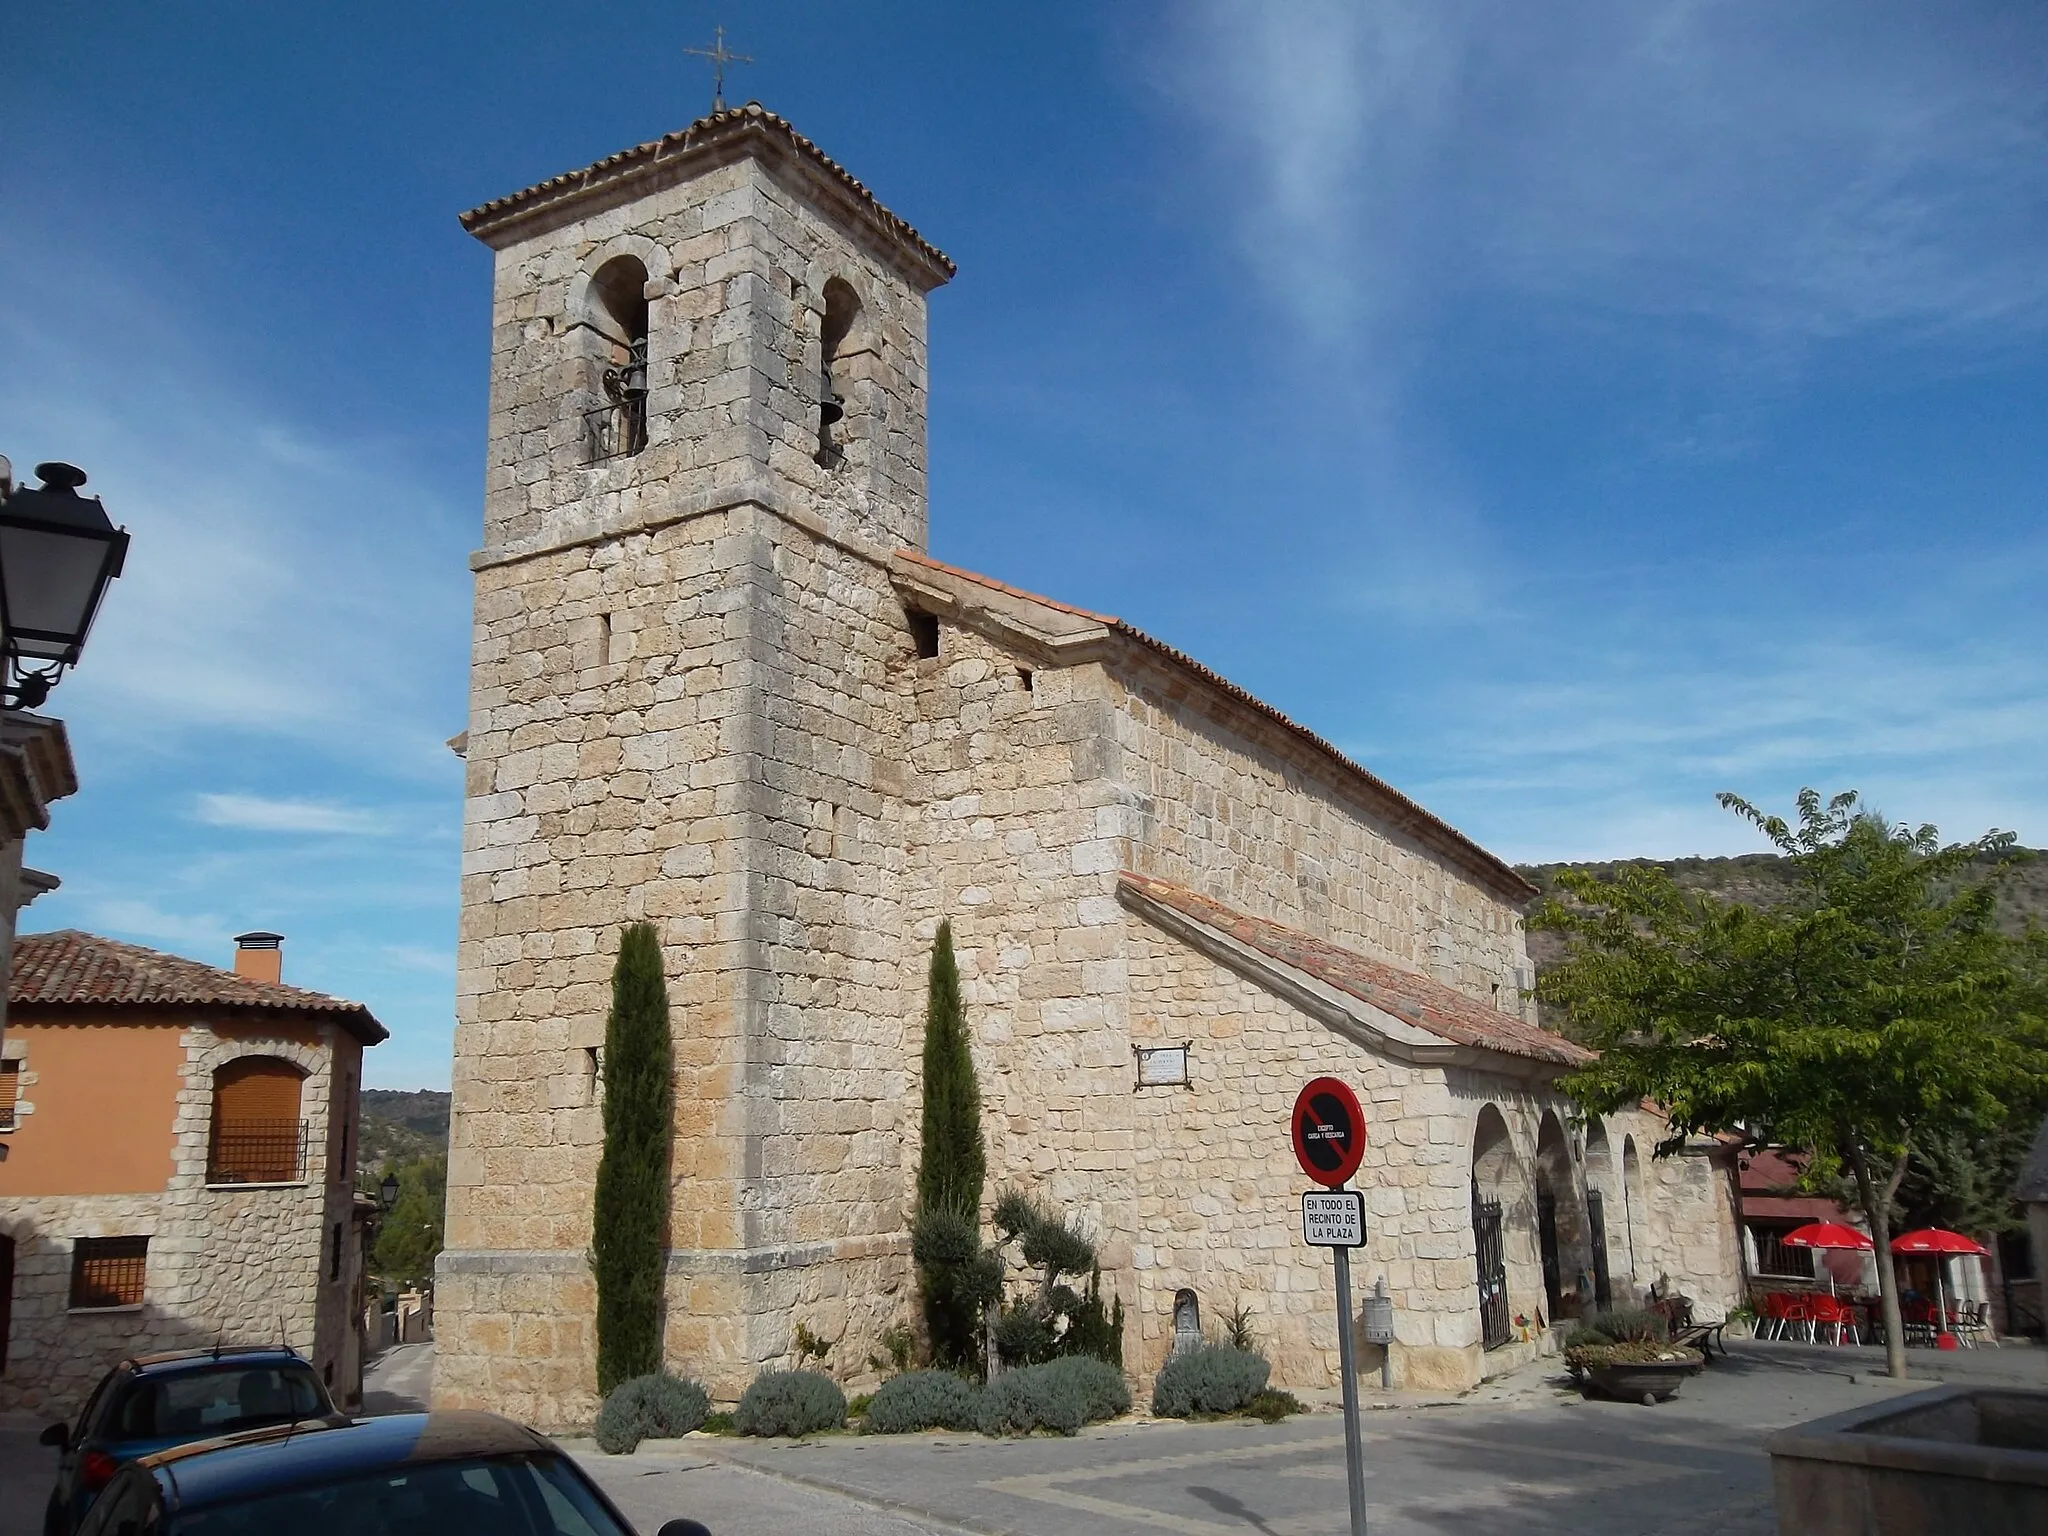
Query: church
x=719, y=684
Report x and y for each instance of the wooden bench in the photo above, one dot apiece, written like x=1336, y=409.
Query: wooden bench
x=1706, y=1335
x=1685, y=1333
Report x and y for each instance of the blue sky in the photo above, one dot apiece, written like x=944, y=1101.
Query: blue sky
x=1570, y=410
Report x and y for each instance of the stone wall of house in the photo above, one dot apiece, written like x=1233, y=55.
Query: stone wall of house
x=244, y=1264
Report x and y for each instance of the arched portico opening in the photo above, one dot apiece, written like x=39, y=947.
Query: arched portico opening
x=1561, y=1222
x=1498, y=1183
x=1640, y=1263
x=1604, y=1206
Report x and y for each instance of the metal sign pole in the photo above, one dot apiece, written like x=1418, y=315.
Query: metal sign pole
x=1347, y=1358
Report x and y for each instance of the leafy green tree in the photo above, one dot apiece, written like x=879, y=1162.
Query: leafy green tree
x=957, y=1279
x=409, y=1235
x=629, y=1219
x=1875, y=1009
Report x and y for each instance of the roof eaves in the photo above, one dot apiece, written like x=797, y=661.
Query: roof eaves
x=1186, y=915
x=496, y=221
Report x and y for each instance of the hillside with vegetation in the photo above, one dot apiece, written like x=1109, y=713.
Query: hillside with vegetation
x=1760, y=879
x=401, y=1127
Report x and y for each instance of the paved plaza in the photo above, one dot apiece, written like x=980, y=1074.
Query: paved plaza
x=1524, y=1455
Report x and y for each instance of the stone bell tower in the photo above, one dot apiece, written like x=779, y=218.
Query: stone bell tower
x=706, y=437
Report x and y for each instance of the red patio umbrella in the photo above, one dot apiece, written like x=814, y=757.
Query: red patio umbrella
x=1942, y=1243
x=1935, y=1240
x=1828, y=1234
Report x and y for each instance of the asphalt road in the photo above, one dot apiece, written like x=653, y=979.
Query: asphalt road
x=1530, y=1457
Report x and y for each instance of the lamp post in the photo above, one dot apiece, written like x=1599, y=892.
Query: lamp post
x=387, y=1192
x=58, y=551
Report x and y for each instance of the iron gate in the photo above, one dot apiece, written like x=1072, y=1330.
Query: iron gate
x=1596, y=1221
x=1494, y=1326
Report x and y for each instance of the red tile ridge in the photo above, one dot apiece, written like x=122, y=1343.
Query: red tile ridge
x=730, y=122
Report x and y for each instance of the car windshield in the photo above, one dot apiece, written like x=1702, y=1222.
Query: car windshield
x=516, y=1496
x=196, y=1405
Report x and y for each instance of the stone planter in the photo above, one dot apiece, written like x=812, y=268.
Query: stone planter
x=1641, y=1381
x=1954, y=1459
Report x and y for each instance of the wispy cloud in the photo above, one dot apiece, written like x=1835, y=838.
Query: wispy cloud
x=1789, y=175
x=261, y=813
x=285, y=580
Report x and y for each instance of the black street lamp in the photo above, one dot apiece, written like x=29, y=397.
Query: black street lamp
x=58, y=551
x=387, y=1192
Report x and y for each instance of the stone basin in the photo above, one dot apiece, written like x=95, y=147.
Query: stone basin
x=1955, y=1459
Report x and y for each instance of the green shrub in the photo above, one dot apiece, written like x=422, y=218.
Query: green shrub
x=924, y=1400
x=1272, y=1405
x=1622, y=1325
x=1104, y=1392
x=1033, y=1397
x=658, y=1407
x=1212, y=1379
x=718, y=1422
x=857, y=1406
x=790, y=1403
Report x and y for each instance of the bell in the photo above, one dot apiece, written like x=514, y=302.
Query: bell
x=830, y=407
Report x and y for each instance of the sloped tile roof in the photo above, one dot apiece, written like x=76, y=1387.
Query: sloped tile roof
x=1496, y=872
x=1419, y=1000
x=70, y=969
x=734, y=124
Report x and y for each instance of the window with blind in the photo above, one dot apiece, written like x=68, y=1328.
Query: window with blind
x=10, y=1091
x=107, y=1271
x=258, y=1137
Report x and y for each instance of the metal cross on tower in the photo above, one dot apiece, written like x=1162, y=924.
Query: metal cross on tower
x=719, y=58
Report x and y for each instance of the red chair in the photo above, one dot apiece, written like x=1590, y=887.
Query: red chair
x=1799, y=1314
x=1830, y=1312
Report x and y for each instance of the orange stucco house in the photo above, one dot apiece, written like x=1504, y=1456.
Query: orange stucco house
x=179, y=1144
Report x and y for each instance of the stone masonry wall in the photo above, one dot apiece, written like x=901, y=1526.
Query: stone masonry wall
x=1228, y=805
x=687, y=679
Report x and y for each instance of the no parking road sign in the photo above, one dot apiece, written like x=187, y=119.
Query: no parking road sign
x=1329, y=1143
x=1329, y=1131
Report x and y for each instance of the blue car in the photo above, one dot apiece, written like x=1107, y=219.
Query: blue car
x=412, y=1474
x=153, y=1402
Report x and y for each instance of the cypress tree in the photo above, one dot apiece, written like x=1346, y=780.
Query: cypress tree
x=629, y=1219
x=952, y=1161
x=956, y=1278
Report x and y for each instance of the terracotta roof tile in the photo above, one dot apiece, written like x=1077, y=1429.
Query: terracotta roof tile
x=1419, y=1000
x=729, y=125
x=70, y=969
x=1498, y=871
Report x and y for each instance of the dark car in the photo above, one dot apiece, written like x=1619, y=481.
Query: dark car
x=411, y=1474
x=152, y=1402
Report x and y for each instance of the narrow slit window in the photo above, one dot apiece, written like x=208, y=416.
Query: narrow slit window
x=10, y=1092
x=924, y=634
x=1024, y=678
